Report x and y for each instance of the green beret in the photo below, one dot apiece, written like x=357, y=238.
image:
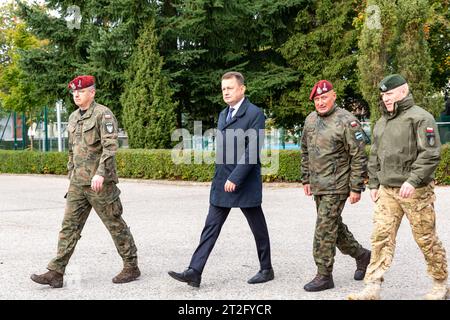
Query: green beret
x=391, y=82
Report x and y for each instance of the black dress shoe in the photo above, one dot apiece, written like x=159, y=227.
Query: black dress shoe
x=362, y=261
x=320, y=283
x=192, y=277
x=262, y=276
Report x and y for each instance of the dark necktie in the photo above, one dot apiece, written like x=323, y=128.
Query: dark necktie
x=230, y=114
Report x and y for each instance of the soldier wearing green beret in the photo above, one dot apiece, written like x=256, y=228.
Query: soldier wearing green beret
x=403, y=157
x=93, y=142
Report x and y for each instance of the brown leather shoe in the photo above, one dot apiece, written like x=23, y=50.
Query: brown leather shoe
x=362, y=261
x=127, y=274
x=52, y=278
x=319, y=283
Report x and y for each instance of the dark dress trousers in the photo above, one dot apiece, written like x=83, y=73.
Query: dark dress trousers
x=239, y=142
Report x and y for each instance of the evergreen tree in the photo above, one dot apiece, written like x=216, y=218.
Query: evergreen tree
x=202, y=39
x=149, y=113
x=413, y=59
x=101, y=45
x=437, y=32
x=396, y=45
x=323, y=46
x=378, y=22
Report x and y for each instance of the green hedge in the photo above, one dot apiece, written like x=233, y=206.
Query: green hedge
x=158, y=164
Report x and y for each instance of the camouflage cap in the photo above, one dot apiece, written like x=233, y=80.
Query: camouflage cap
x=391, y=82
x=81, y=82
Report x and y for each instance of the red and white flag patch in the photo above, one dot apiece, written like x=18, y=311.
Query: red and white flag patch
x=430, y=130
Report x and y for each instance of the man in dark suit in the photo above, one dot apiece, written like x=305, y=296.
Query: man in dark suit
x=237, y=180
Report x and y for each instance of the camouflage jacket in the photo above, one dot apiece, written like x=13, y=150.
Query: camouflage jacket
x=93, y=142
x=333, y=156
x=406, y=147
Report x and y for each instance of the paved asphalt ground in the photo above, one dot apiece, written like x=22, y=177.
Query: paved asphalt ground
x=166, y=219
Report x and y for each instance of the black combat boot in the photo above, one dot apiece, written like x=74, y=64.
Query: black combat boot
x=362, y=261
x=52, y=278
x=320, y=283
x=190, y=276
x=127, y=274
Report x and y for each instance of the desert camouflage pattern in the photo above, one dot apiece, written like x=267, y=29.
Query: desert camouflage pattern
x=389, y=211
x=331, y=232
x=333, y=156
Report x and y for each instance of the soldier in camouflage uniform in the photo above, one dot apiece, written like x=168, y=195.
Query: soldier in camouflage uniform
x=403, y=158
x=93, y=142
x=334, y=166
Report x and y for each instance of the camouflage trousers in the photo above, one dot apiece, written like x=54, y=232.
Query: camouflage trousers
x=419, y=210
x=331, y=232
x=80, y=201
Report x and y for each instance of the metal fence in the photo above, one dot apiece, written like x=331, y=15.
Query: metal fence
x=44, y=133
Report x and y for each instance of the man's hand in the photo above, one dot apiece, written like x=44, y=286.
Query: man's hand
x=229, y=186
x=374, y=194
x=407, y=190
x=97, y=183
x=354, y=197
x=307, y=189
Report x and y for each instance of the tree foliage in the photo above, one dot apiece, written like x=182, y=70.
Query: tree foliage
x=17, y=91
x=102, y=45
x=148, y=110
x=396, y=45
x=202, y=39
x=323, y=46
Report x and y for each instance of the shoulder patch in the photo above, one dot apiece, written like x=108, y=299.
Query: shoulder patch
x=107, y=116
x=109, y=127
x=431, y=137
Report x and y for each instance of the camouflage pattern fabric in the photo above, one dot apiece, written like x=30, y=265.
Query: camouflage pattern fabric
x=80, y=200
x=331, y=232
x=419, y=210
x=93, y=143
x=333, y=156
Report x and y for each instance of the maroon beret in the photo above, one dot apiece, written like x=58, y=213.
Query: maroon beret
x=81, y=82
x=321, y=87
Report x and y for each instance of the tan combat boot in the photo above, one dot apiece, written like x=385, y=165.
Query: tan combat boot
x=370, y=292
x=52, y=278
x=127, y=274
x=438, y=292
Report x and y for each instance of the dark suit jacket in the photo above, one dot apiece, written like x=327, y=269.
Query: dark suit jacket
x=238, y=158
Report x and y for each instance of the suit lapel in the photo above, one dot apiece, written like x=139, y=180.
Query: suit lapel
x=240, y=113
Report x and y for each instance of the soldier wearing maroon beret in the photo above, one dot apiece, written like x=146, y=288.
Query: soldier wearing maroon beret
x=93, y=142
x=334, y=165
